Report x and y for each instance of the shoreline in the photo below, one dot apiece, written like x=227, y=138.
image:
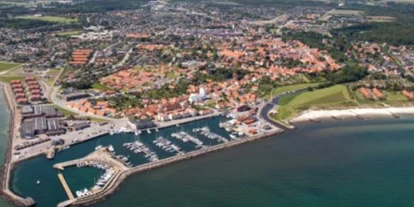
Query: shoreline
x=359, y=113
x=8, y=165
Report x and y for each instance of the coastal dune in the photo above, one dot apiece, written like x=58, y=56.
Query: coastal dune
x=349, y=113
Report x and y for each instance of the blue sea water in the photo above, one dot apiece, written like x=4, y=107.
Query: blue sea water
x=334, y=163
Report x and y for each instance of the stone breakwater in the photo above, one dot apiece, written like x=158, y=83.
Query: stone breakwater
x=113, y=186
x=5, y=192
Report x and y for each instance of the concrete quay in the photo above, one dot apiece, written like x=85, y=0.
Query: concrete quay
x=66, y=186
x=99, y=156
x=115, y=183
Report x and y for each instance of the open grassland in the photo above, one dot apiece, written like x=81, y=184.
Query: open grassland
x=398, y=1
x=7, y=65
x=324, y=96
x=68, y=33
x=7, y=79
x=56, y=19
x=393, y=98
x=335, y=96
x=343, y=12
x=282, y=89
x=99, y=86
x=52, y=75
x=381, y=19
x=66, y=112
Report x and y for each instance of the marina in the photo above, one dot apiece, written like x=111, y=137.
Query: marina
x=205, y=131
x=138, y=147
x=185, y=137
x=166, y=145
x=121, y=147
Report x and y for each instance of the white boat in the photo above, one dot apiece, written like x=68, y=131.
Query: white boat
x=98, y=147
x=233, y=136
x=110, y=148
x=148, y=131
x=38, y=182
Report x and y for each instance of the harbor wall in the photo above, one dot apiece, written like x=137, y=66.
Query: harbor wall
x=112, y=187
x=7, y=167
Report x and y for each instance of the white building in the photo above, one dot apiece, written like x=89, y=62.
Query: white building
x=197, y=97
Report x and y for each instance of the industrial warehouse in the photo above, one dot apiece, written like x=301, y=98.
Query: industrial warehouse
x=41, y=119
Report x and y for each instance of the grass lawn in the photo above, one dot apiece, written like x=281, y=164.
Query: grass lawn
x=324, y=96
x=286, y=88
x=97, y=120
x=172, y=75
x=63, y=20
x=52, y=73
x=291, y=105
x=7, y=65
x=99, y=86
x=25, y=4
x=394, y=98
x=211, y=103
x=7, y=79
x=68, y=33
x=66, y=112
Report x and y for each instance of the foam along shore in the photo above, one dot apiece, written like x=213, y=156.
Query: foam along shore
x=310, y=115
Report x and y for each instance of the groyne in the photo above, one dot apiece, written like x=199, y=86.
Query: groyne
x=149, y=166
x=5, y=191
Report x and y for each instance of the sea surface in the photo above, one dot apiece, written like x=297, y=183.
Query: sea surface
x=4, y=138
x=333, y=163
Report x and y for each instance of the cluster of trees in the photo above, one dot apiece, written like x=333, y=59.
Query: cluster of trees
x=82, y=84
x=92, y=6
x=166, y=92
x=283, y=3
x=218, y=75
x=350, y=73
x=336, y=48
x=23, y=23
x=290, y=63
x=397, y=32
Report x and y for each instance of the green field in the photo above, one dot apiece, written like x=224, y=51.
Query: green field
x=26, y=4
x=172, y=75
x=394, y=98
x=68, y=33
x=334, y=96
x=7, y=79
x=99, y=86
x=63, y=20
x=53, y=73
x=7, y=65
x=282, y=89
x=66, y=112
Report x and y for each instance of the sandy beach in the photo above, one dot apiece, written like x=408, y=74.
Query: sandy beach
x=357, y=112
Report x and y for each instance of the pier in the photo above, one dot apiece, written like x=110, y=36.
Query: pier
x=100, y=156
x=66, y=186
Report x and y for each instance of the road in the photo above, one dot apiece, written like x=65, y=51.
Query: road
x=264, y=112
x=62, y=103
x=70, y=137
